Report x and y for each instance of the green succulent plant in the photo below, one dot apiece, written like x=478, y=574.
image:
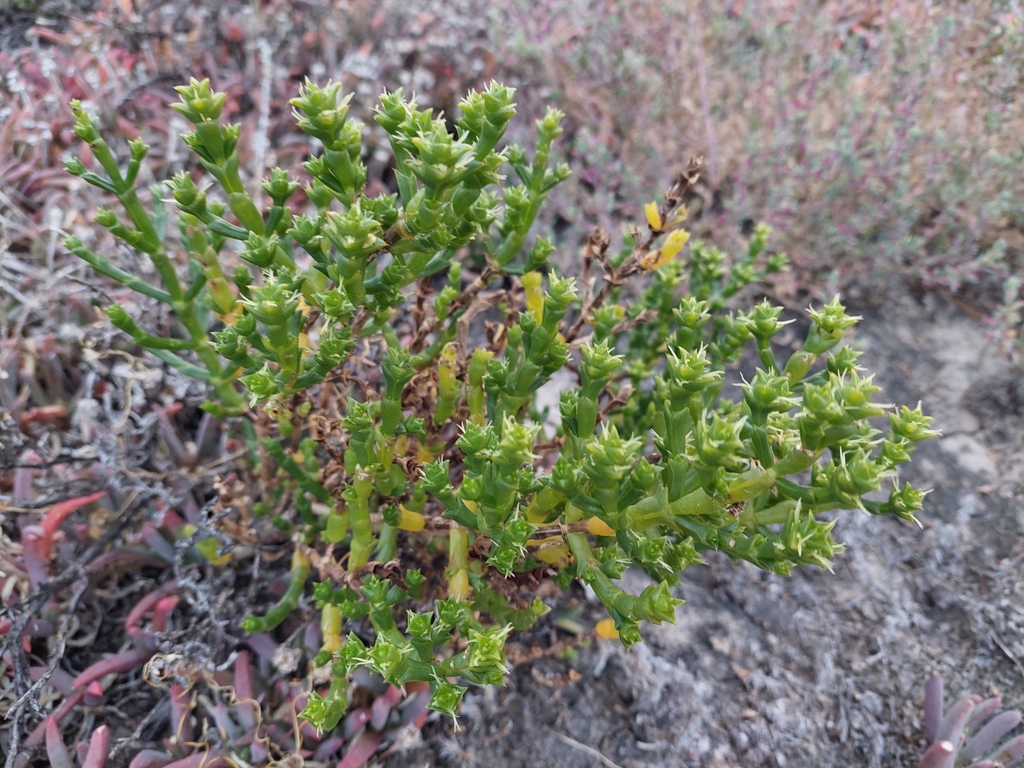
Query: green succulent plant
x=414, y=331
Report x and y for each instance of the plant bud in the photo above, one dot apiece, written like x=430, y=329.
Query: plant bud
x=305, y=229
x=843, y=362
x=645, y=476
x=445, y=698
x=279, y=187
x=383, y=208
x=565, y=478
x=689, y=371
x=386, y=658
x=451, y=612
x=821, y=403
x=764, y=321
x=474, y=114
x=561, y=293
x=75, y=166
x=393, y=111
x=275, y=302
x=419, y=624
x=708, y=262
x=334, y=347
x=606, y=318
x=86, y=127
x=246, y=324
x=260, y=251
x=498, y=105
x=832, y=320
x=198, y=103
x=905, y=501
x=517, y=204
x=503, y=559
x=556, y=176
x=355, y=234
x=758, y=239
x=106, y=218
x=549, y=127
x=486, y=647
x=320, y=195
x=857, y=474
x=896, y=451
x=777, y=262
x=538, y=257
x=656, y=604
x=718, y=443
x=598, y=367
x=186, y=194
x=692, y=313
x=629, y=633
x=856, y=395
x=568, y=407
x=912, y=424
x=397, y=369
x=262, y=383
x=516, y=155
x=436, y=478
x=516, y=444
x=611, y=457
x=768, y=392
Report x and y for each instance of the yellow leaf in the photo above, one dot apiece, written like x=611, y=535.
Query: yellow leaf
x=411, y=521
x=401, y=445
x=653, y=217
x=606, y=630
x=678, y=217
x=673, y=244
x=551, y=550
x=599, y=527
x=458, y=584
x=534, y=295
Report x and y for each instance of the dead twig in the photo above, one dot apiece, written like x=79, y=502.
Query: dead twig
x=1009, y=654
x=584, y=748
x=599, y=240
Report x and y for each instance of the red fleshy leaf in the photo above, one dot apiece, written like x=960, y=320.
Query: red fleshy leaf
x=99, y=744
x=361, y=749
x=55, y=749
x=57, y=514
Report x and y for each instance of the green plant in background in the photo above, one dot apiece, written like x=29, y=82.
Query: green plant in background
x=399, y=343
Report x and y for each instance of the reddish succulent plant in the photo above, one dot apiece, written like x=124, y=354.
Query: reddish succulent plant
x=970, y=733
